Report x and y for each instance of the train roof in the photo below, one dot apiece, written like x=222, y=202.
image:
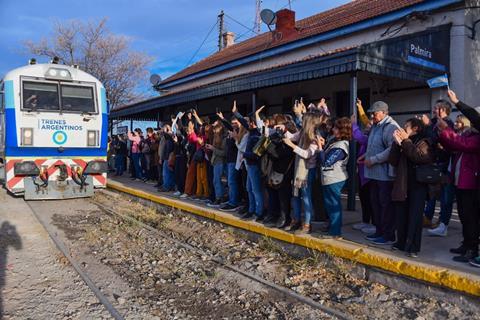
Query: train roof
x=40, y=70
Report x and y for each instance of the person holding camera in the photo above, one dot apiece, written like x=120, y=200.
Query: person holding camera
x=304, y=145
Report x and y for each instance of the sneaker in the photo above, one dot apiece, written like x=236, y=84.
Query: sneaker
x=260, y=218
x=440, y=231
x=372, y=237
x=305, y=229
x=475, y=262
x=150, y=182
x=412, y=254
x=215, y=204
x=183, y=196
x=228, y=208
x=370, y=229
x=360, y=226
x=248, y=216
x=177, y=193
x=382, y=241
x=294, y=225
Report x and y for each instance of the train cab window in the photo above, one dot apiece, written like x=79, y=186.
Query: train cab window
x=40, y=96
x=79, y=99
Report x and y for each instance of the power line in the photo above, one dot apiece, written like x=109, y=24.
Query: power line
x=236, y=21
x=209, y=32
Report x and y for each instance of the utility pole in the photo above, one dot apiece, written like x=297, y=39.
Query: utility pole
x=220, y=30
x=258, y=21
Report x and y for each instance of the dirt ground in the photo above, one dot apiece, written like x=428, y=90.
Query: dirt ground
x=36, y=281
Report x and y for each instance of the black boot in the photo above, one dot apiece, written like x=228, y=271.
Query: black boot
x=269, y=221
x=469, y=254
x=460, y=250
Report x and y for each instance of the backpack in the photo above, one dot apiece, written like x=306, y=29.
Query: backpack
x=145, y=145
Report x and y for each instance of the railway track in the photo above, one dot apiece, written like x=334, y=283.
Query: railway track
x=83, y=275
x=286, y=292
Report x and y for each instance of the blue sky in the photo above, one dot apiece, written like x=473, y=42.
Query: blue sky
x=168, y=30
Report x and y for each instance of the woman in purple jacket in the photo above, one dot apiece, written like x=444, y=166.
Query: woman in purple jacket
x=465, y=171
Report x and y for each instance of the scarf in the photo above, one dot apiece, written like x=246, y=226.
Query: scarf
x=301, y=172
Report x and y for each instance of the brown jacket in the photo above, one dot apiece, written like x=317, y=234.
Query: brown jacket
x=415, y=151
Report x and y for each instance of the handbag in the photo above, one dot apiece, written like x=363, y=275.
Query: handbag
x=275, y=178
x=429, y=174
x=261, y=146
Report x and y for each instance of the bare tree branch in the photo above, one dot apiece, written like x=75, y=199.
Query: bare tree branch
x=96, y=50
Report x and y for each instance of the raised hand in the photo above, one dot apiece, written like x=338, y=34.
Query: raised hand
x=425, y=119
x=259, y=110
x=234, y=108
x=220, y=115
x=453, y=96
x=442, y=124
x=353, y=118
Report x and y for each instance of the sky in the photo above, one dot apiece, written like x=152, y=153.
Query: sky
x=170, y=31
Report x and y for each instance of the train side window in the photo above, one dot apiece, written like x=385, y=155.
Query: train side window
x=40, y=96
x=76, y=98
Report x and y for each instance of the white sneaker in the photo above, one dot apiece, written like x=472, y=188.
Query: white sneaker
x=177, y=193
x=440, y=231
x=369, y=229
x=183, y=196
x=360, y=226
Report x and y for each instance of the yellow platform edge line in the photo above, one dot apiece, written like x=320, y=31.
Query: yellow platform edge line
x=355, y=252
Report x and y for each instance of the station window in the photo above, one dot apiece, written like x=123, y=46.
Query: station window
x=40, y=96
x=77, y=99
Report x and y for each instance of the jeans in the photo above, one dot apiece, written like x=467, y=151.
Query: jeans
x=446, y=204
x=254, y=189
x=119, y=164
x=232, y=179
x=136, y=158
x=306, y=198
x=333, y=205
x=217, y=180
x=168, y=177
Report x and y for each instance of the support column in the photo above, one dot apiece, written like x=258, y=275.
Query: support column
x=254, y=101
x=131, y=124
x=158, y=120
x=352, y=172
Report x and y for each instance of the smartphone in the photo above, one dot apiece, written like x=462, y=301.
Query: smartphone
x=217, y=110
x=296, y=102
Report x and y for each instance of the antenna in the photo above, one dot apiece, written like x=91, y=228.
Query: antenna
x=258, y=20
x=268, y=17
x=220, y=30
x=155, y=79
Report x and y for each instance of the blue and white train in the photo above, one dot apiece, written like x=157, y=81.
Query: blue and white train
x=53, y=132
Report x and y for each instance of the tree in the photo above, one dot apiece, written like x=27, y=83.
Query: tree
x=96, y=50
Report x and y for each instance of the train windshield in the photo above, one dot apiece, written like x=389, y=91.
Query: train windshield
x=40, y=96
x=79, y=99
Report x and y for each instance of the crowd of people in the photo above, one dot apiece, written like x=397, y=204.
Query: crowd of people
x=287, y=170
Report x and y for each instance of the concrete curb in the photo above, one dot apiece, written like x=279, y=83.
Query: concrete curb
x=444, y=277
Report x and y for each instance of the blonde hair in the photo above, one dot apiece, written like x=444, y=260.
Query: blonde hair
x=311, y=122
x=464, y=120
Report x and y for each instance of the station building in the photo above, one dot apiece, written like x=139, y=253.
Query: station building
x=371, y=49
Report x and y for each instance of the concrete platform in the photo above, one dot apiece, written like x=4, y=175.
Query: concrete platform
x=434, y=264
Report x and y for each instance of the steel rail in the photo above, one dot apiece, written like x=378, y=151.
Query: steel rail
x=285, y=291
x=88, y=281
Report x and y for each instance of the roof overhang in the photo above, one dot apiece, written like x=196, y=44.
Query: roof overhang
x=416, y=57
x=427, y=5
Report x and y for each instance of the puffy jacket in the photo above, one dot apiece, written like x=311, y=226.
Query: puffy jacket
x=467, y=148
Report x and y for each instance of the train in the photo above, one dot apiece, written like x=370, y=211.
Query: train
x=53, y=132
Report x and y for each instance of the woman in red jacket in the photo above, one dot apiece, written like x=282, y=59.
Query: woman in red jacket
x=465, y=171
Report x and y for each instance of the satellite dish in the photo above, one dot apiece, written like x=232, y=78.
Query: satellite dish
x=155, y=79
x=268, y=17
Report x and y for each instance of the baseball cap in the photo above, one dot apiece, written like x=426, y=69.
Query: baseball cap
x=378, y=106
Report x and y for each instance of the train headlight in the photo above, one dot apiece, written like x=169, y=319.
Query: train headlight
x=27, y=136
x=58, y=73
x=92, y=138
x=26, y=168
x=96, y=167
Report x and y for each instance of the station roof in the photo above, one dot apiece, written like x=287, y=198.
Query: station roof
x=348, y=14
